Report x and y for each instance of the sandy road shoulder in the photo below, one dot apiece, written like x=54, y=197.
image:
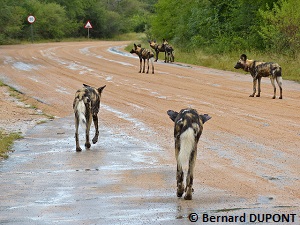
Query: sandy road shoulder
x=16, y=115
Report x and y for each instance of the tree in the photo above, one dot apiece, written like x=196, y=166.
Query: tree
x=51, y=20
x=11, y=20
x=281, y=26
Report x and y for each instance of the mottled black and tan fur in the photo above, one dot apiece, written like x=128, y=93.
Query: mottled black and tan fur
x=258, y=70
x=169, y=56
x=86, y=106
x=157, y=48
x=187, y=131
x=143, y=54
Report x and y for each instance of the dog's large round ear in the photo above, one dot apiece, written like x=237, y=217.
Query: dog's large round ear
x=243, y=57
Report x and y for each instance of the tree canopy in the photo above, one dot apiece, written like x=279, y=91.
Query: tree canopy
x=225, y=25
x=217, y=25
x=56, y=19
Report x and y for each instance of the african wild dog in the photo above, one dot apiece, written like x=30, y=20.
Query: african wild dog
x=86, y=107
x=259, y=70
x=187, y=131
x=144, y=54
x=157, y=48
x=169, y=56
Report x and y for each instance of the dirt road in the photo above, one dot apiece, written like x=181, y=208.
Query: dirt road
x=248, y=157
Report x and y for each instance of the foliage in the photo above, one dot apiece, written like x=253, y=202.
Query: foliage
x=6, y=141
x=58, y=19
x=281, y=26
x=217, y=25
x=215, y=32
x=11, y=21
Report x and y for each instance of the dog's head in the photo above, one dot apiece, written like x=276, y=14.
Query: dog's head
x=175, y=116
x=165, y=42
x=136, y=48
x=241, y=63
x=188, y=118
x=152, y=44
x=82, y=95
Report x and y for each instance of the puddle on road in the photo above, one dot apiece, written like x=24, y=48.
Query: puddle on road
x=46, y=174
x=118, y=181
x=22, y=66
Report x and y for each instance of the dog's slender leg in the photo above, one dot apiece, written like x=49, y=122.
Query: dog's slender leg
x=272, y=78
x=259, y=90
x=78, y=149
x=148, y=64
x=87, y=134
x=179, y=174
x=140, y=65
x=95, y=120
x=279, y=82
x=254, y=87
x=144, y=66
x=179, y=177
x=190, y=176
x=152, y=65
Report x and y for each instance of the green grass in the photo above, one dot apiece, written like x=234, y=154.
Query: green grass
x=7, y=139
x=6, y=142
x=226, y=61
x=129, y=37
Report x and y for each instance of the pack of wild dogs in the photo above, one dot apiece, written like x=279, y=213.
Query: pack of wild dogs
x=146, y=55
x=188, y=123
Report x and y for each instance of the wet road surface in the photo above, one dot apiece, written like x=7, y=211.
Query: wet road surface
x=118, y=181
x=248, y=158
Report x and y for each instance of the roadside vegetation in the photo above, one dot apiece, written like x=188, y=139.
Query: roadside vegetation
x=6, y=142
x=212, y=33
x=7, y=138
x=215, y=33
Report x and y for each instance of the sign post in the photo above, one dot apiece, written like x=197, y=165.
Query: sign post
x=31, y=20
x=88, y=26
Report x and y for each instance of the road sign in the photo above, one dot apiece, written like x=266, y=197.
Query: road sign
x=88, y=25
x=31, y=19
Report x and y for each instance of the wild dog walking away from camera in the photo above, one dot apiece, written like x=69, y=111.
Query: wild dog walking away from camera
x=157, y=48
x=187, y=131
x=261, y=69
x=143, y=54
x=169, y=56
x=86, y=106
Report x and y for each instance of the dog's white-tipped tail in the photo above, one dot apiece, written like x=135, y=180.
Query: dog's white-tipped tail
x=80, y=108
x=187, y=144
